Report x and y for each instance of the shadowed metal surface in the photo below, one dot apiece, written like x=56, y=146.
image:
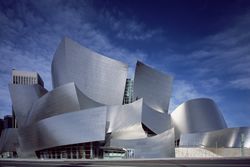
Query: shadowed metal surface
x=122, y=116
x=153, y=86
x=131, y=132
x=100, y=78
x=64, y=129
x=197, y=115
x=63, y=99
x=228, y=138
x=159, y=146
x=8, y=140
x=125, y=121
x=156, y=121
x=23, y=97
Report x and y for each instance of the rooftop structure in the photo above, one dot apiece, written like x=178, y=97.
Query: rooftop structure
x=26, y=78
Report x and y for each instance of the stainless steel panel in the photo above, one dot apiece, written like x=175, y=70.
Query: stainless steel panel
x=8, y=140
x=63, y=99
x=228, y=138
x=153, y=86
x=159, y=146
x=197, y=115
x=23, y=97
x=156, y=121
x=134, y=131
x=124, y=121
x=69, y=128
x=100, y=78
x=122, y=116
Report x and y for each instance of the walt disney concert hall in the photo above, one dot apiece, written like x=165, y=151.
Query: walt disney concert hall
x=84, y=116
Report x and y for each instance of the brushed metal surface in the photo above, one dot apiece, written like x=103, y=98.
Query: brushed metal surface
x=123, y=116
x=153, y=86
x=68, y=128
x=63, y=99
x=8, y=140
x=134, y=131
x=156, y=121
x=159, y=146
x=197, y=115
x=98, y=77
x=228, y=138
x=23, y=97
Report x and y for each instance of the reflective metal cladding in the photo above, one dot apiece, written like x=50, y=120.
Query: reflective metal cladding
x=159, y=146
x=98, y=77
x=84, y=112
x=153, y=86
x=226, y=138
x=197, y=115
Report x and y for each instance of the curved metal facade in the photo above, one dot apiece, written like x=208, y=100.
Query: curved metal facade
x=9, y=140
x=226, y=138
x=155, y=121
x=23, y=97
x=159, y=146
x=98, y=77
x=197, y=115
x=85, y=107
x=63, y=99
x=64, y=129
x=123, y=116
x=153, y=86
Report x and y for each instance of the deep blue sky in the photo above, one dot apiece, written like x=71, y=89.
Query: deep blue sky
x=205, y=45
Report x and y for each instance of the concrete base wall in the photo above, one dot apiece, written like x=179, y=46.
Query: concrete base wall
x=193, y=152
x=212, y=152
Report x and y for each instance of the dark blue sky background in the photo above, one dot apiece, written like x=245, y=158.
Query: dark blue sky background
x=205, y=44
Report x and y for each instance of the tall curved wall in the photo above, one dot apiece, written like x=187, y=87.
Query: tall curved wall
x=156, y=121
x=8, y=140
x=124, y=121
x=63, y=99
x=159, y=146
x=197, y=115
x=65, y=129
x=23, y=97
x=226, y=138
x=98, y=77
x=122, y=116
x=153, y=86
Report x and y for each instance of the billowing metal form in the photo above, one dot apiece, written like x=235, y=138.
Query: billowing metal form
x=153, y=86
x=125, y=121
x=197, y=115
x=123, y=116
x=228, y=138
x=159, y=146
x=65, y=129
x=131, y=132
x=63, y=99
x=100, y=78
x=155, y=121
x=8, y=140
x=23, y=97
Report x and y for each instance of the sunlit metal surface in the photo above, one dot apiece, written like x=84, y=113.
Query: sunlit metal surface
x=100, y=78
x=122, y=116
x=63, y=99
x=153, y=86
x=197, y=115
x=130, y=132
x=228, y=138
x=23, y=97
x=159, y=146
x=8, y=140
x=156, y=121
x=69, y=128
